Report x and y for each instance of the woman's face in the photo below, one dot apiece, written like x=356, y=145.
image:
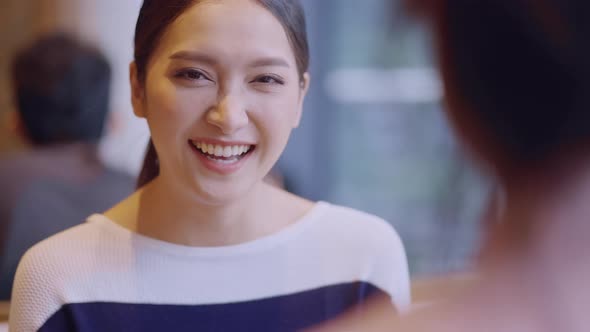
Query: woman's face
x=221, y=96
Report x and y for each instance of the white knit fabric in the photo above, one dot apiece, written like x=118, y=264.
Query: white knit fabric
x=102, y=261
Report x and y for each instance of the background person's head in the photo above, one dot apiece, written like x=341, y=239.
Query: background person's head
x=517, y=79
x=198, y=74
x=61, y=89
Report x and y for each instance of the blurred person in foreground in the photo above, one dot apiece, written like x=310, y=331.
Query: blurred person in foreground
x=61, y=90
x=517, y=85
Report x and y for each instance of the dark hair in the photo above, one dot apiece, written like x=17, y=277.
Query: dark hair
x=520, y=71
x=156, y=15
x=62, y=90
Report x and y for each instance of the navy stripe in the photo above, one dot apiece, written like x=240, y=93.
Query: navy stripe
x=282, y=313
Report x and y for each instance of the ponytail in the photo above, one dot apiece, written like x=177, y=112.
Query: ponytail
x=151, y=168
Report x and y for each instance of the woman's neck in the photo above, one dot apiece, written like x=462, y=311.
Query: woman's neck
x=549, y=210
x=542, y=240
x=167, y=214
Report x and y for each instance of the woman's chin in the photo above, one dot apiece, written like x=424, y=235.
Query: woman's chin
x=223, y=194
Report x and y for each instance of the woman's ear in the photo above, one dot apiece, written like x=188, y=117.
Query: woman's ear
x=304, y=87
x=137, y=91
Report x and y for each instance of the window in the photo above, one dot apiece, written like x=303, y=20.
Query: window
x=376, y=136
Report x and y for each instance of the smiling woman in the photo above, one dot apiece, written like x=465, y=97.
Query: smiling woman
x=205, y=243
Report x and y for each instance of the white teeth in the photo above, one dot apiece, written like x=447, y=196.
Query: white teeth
x=226, y=151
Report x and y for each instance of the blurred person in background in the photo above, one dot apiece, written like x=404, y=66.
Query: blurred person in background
x=517, y=85
x=61, y=91
x=205, y=243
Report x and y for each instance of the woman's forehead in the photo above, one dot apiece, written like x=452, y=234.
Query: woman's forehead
x=229, y=27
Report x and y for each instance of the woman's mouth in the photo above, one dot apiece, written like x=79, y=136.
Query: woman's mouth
x=226, y=154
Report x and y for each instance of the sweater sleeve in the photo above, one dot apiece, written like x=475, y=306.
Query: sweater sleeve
x=378, y=243
x=34, y=298
x=390, y=267
x=395, y=255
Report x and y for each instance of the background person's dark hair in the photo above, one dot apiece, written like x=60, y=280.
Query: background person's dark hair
x=518, y=76
x=156, y=15
x=61, y=88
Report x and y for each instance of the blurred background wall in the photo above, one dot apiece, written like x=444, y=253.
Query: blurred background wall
x=376, y=137
x=373, y=135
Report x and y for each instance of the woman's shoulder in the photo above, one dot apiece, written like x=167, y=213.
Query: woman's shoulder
x=368, y=239
x=358, y=222
x=56, y=256
x=360, y=234
x=67, y=255
x=47, y=272
x=68, y=241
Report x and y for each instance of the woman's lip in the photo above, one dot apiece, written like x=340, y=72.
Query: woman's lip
x=214, y=141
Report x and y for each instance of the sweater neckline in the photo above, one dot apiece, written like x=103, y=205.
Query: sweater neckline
x=281, y=236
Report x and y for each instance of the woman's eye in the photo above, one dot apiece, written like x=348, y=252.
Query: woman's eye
x=191, y=74
x=269, y=79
